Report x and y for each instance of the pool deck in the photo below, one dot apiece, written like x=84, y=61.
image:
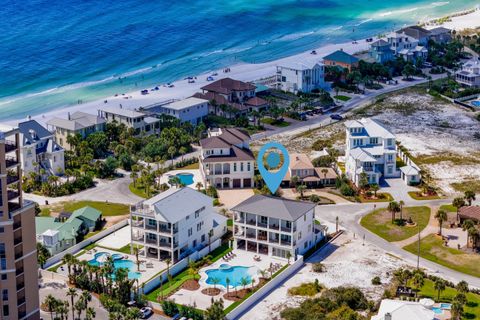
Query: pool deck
x=243, y=258
x=117, y=239
x=197, y=177
x=146, y=273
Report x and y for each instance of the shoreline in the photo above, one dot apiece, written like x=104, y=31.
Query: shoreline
x=243, y=71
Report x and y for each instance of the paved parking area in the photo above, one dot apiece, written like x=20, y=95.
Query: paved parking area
x=397, y=188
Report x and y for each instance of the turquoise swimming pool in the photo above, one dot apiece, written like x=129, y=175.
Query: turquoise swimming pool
x=118, y=262
x=476, y=103
x=185, y=178
x=234, y=274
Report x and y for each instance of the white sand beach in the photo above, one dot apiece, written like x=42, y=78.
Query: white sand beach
x=245, y=72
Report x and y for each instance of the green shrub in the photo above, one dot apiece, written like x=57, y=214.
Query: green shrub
x=314, y=198
x=169, y=308
x=318, y=267
x=216, y=202
x=346, y=190
x=376, y=281
x=306, y=289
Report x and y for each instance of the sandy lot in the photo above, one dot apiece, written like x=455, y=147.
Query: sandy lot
x=347, y=262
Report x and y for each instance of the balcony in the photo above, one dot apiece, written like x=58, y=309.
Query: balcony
x=10, y=162
x=175, y=244
x=165, y=230
x=10, y=146
x=164, y=244
x=12, y=179
x=17, y=240
x=17, y=224
x=12, y=194
x=18, y=271
x=18, y=254
x=151, y=241
x=262, y=225
x=286, y=229
x=138, y=237
x=137, y=224
x=252, y=222
x=250, y=235
x=273, y=240
x=20, y=301
x=150, y=227
x=262, y=238
x=273, y=226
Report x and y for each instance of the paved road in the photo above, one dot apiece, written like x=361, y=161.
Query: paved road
x=349, y=218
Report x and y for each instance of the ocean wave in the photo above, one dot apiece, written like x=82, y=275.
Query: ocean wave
x=363, y=21
x=295, y=36
x=439, y=4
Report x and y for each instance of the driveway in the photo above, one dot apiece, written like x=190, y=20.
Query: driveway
x=397, y=188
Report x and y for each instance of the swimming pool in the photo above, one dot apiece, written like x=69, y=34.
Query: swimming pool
x=233, y=273
x=476, y=103
x=185, y=178
x=446, y=306
x=118, y=262
x=437, y=310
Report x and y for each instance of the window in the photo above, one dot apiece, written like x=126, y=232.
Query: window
x=197, y=214
x=373, y=140
x=199, y=226
x=3, y=258
x=234, y=167
x=5, y=295
x=305, y=245
x=190, y=232
x=203, y=238
x=241, y=166
x=2, y=229
x=300, y=235
x=187, y=217
x=6, y=311
x=248, y=166
x=4, y=276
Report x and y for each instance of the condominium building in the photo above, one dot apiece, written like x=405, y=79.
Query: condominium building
x=226, y=160
x=140, y=122
x=175, y=223
x=371, y=149
x=300, y=77
x=469, y=75
x=80, y=123
x=18, y=254
x=38, y=149
x=275, y=226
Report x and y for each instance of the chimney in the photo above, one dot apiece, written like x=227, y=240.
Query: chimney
x=69, y=116
x=388, y=316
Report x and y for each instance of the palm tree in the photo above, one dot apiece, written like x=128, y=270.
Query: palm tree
x=86, y=297
x=456, y=309
x=244, y=282
x=418, y=282
x=62, y=310
x=289, y=256
x=294, y=181
x=171, y=152
x=68, y=259
x=227, y=280
x=182, y=151
x=168, y=261
x=469, y=196
x=324, y=171
x=215, y=281
x=439, y=286
x=441, y=217
x=458, y=203
x=375, y=188
x=136, y=252
x=199, y=186
x=51, y=303
x=466, y=226
x=401, y=203
x=393, y=208
x=473, y=235
x=80, y=306
x=462, y=286
x=72, y=293
x=301, y=188
x=90, y=313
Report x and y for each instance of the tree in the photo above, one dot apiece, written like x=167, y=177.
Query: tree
x=456, y=309
x=469, y=226
x=418, y=281
x=439, y=286
x=469, y=196
x=462, y=287
x=289, y=256
x=215, y=311
x=42, y=254
x=301, y=188
x=72, y=293
x=244, y=282
x=458, y=203
x=136, y=252
x=215, y=281
x=168, y=261
x=393, y=208
x=363, y=182
x=401, y=203
x=408, y=71
x=90, y=313
x=294, y=181
x=171, y=152
x=441, y=217
x=199, y=186
x=375, y=188
x=51, y=303
x=227, y=280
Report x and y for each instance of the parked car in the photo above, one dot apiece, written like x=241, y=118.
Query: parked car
x=146, y=312
x=336, y=116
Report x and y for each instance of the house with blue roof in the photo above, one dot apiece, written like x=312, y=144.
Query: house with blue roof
x=341, y=59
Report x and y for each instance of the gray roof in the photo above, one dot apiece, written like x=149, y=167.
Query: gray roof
x=185, y=103
x=372, y=127
x=78, y=120
x=174, y=205
x=33, y=131
x=122, y=112
x=274, y=207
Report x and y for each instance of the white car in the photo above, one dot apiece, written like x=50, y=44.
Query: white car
x=145, y=312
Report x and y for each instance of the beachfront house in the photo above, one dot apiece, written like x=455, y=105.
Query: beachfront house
x=257, y=104
x=275, y=226
x=226, y=160
x=420, y=34
x=469, y=75
x=441, y=35
x=60, y=233
x=191, y=110
x=406, y=46
x=381, y=52
x=38, y=149
x=140, y=122
x=402, y=310
x=228, y=97
x=341, y=59
x=370, y=149
x=300, y=77
x=80, y=123
x=301, y=167
x=175, y=223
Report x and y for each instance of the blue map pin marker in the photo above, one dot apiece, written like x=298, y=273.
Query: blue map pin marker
x=273, y=179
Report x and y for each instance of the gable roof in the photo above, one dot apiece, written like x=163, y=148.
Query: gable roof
x=362, y=155
x=300, y=161
x=274, y=207
x=123, y=112
x=470, y=212
x=174, y=205
x=401, y=310
x=256, y=102
x=77, y=120
x=380, y=43
x=439, y=30
x=341, y=56
x=372, y=128
x=228, y=85
x=87, y=212
x=409, y=170
x=416, y=32
x=185, y=103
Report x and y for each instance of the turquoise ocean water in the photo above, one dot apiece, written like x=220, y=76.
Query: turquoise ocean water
x=53, y=53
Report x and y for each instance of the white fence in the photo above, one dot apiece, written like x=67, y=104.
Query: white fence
x=265, y=290
x=179, y=266
x=79, y=246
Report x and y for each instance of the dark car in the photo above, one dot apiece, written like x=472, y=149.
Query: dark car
x=336, y=116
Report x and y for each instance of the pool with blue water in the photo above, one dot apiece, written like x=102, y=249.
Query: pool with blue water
x=118, y=262
x=185, y=178
x=234, y=274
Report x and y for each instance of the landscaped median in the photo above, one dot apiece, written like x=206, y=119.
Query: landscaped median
x=397, y=227
x=433, y=249
x=380, y=197
x=417, y=195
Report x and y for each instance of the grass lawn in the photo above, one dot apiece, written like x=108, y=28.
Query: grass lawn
x=170, y=286
x=230, y=223
x=342, y=98
x=45, y=212
x=431, y=248
x=276, y=123
x=140, y=191
x=108, y=209
x=472, y=308
x=190, y=166
x=448, y=208
x=416, y=196
x=380, y=223
x=381, y=197
x=91, y=234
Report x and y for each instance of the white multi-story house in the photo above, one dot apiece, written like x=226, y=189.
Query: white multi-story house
x=191, y=110
x=470, y=74
x=297, y=77
x=175, y=223
x=371, y=149
x=38, y=149
x=226, y=160
x=275, y=226
x=406, y=46
x=140, y=122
